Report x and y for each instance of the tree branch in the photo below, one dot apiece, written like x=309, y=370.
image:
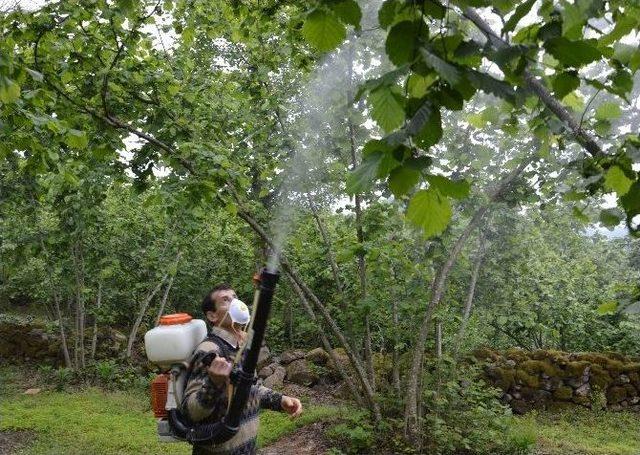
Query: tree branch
x=555, y=106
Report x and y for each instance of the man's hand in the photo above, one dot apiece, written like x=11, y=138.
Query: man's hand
x=219, y=371
x=291, y=406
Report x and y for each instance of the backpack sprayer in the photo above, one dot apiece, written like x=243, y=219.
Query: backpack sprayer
x=171, y=345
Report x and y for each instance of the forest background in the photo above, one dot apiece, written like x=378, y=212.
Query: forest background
x=437, y=176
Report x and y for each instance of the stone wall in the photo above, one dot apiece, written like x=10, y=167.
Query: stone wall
x=553, y=380
x=25, y=339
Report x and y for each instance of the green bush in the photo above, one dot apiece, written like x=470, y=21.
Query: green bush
x=107, y=374
x=354, y=433
x=463, y=414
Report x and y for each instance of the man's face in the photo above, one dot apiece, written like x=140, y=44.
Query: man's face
x=222, y=301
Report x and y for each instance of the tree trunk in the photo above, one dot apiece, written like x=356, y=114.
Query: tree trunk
x=63, y=337
x=142, y=312
x=470, y=294
x=94, y=338
x=437, y=291
x=163, y=303
x=327, y=242
x=438, y=339
x=78, y=260
x=362, y=266
x=326, y=344
x=395, y=373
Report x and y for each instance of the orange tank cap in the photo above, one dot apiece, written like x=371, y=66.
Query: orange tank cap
x=177, y=318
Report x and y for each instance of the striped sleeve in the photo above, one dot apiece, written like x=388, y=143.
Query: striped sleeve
x=269, y=399
x=202, y=398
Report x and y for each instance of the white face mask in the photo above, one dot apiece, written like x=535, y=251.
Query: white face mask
x=239, y=312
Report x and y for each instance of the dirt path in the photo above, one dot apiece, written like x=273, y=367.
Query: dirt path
x=12, y=441
x=306, y=440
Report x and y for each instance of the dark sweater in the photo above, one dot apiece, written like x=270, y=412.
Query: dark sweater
x=207, y=403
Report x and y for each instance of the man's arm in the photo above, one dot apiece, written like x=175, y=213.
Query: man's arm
x=275, y=401
x=205, y=394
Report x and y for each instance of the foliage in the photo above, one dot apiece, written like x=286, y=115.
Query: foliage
x=433, y=40
x=463, y=414
x=136, y=139
x=553, y=296
x=354, y=434
x=107, y=374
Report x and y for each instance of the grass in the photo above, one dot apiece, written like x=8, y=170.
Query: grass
x=581, y=432
x=110, y=422
x=117, y=422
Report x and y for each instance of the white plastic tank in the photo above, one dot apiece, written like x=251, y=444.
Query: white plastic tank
x=174, y=340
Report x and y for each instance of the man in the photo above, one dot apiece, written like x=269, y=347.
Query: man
x=206, y=394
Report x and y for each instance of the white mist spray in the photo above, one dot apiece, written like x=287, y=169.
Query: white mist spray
x=315, y=122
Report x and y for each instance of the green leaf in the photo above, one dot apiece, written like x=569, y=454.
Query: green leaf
x=608, y=308
x=431, y=132
x=573, y=19
x=473, y=3
x=76, y=139
x=608, y=111
x=402, y=41
x=565, y=83
x=574, y=101
x=349, y=12
x=492, y=85
x=624, y=53
x=70, y=178
x=520, y=12
x=621, y=83
x=457, y=189
x=447, y=71
x=476, y=120
x=387, y=13
x=624, y=24
x=434, y=9
x=417, y=84
x=363, y=176
x=9, y=91
x=616, y=180
x=188, y=34
x=429, y=211
x=572, y=53
x=573, y=196
x=631, y=201
x=611, y=217
x=386, y=109
x=491, y=115
x=323, y=30
x=579, y=215
x=402, y=179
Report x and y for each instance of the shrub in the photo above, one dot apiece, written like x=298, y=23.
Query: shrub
x=463, y=415
x=354, y=434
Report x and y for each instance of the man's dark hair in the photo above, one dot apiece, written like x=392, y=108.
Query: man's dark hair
x=208, y=304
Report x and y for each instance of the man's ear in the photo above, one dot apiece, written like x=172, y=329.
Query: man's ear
x=211, y=317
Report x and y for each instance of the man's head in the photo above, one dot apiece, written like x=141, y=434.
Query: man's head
x=215, y=305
